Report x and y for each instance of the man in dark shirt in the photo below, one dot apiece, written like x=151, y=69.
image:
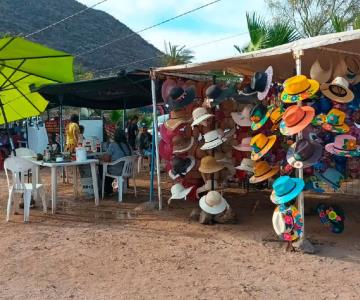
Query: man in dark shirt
x=133, y=131
x=145, y=140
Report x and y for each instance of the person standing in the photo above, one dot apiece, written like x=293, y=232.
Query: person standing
x=72, y=132
x=133, y=131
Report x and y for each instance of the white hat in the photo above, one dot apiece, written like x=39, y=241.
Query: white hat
x=278, y=222
x=213, y=139
x=338, y=90
x=319, y=74
x=243, y=118
x=246, y=165
x=206, y=187
x=213, y=203
x=200, y=114
x=269, y=72
x=179, y=192
x=244, y=145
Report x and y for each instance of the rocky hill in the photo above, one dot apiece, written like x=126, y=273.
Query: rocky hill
x=78, y=34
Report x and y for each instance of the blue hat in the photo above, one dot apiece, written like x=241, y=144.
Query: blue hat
x=322, y=106
x=331, y=177
x=285, y=189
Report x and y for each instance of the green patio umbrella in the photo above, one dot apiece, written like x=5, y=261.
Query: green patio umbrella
x=23, y=64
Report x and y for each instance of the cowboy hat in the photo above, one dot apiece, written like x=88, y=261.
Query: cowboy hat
x=208, y=165
x=181, y=166
x=246, y=165
x=285, y=189
x=344, y=145
x=304, y=153
x=298, y=88
x=338, y=90
x=287, y=223
x=182, y=144
x=213, y=203
x=244, y=145
x=177, y=118
x=243, y=118
x=261, y=144
x=263, y=171
x=295, y=119
x=216, y=94
x=200, y=114
x=213, y=139
x=334, y=121
x=179, y=97
x=261, y=82
x=179, y=192
x=259, y=115
x=319, y=74
x=331, y=177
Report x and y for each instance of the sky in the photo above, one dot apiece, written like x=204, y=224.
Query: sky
x=221, y=20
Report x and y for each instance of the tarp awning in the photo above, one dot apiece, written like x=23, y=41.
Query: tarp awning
x=327, y=48
x=125, y=91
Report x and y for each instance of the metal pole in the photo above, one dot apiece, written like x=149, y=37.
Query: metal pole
x=61, y=137
x=152, y=164
x=155, y=124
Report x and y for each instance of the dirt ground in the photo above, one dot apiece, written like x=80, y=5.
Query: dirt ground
x=113, y=252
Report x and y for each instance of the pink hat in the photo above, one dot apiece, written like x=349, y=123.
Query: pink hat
x=244, y=145
x=165, y=150
x=344, y=145
x=166, y=88
x=167, y=134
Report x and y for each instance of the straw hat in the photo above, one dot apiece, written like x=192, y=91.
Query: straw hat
x=349, y=69
x=216, y=94
x=243, y=118
x=261, y=144
x=213, y=203
x=177, y=118
x=244, y=145
x=261, y=82
x=179, y=97
x=181, y=166
x=213, y=139
x=209, y=165
x=179, y=192
x=344, y=145
x=299, y=88
x=263, y=171
x=285, y=189
x=276, y=117
x=182, y=144
x=246, y=165
x=200, y=114
x=259, y=115
x=334, y=121
x=296, y=118
x=304, y=153
x=288, y=223
x=338, y=90
x=319, y=74
x=331, y=177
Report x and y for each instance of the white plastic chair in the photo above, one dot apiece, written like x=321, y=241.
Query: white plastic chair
x=25, y=152
x=18, y=167
x=128, y=171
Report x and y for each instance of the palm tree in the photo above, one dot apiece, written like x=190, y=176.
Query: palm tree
x=265, y=35
x=177, y=55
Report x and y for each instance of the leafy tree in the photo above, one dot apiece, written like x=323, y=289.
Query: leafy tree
x=176, y=55
x=267, y=34
x=315, y=17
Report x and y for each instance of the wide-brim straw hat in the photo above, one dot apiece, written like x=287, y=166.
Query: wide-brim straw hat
x=285, y=189
x=243, y=118
x=200, y=115
x=177, y=118
x=288, y=224
x=213, y=203
x=270, y=142
x=319, y=74
x=244, y=145
x=263, y=171
x=344, y=145
x=188, y=169
x=184, y=147
x=257, y=125
x=178, y=191
x=298, y=88
x=246, y=165
x=291, y=126
x=213, y=139
x=315, y=155
x=338, y=90
x=209, y=165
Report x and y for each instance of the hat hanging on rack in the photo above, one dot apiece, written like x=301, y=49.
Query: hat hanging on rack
x=319, y=74
x=285, y=189
x=259, y=115
x=263, y=171
x=304, y=153
x=344, y=145
x=331, y=177
x=261, y=82
x=179, y=192
x=179, y=97
x=334, y=121
x=181, y=166
x=261, y=144
x=298, y=88
x=216, y=94
x=295, y=119
x=243, y=118
x=338, y=90
x=213, y=203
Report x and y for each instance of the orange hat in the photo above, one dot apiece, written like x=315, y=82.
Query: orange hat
x=296, y=118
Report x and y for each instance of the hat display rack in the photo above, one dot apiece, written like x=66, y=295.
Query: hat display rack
x=299, y=133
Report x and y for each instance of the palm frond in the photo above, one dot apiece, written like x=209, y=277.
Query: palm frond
x=281, y=32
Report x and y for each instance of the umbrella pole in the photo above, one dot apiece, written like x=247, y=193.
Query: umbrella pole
x=7, y=128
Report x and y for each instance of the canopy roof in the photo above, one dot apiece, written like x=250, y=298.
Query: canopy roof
x=327, y=48
x=127, y=90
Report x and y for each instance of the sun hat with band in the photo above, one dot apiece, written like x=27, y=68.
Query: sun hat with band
x=213, y=203
x=177, y=118
x=182, y=144
x=287, y=223
x=344, y=145
x=295, y=119
x=331, y=177
x=179, y=192
x=261, y=144
x=334, y=121
x=259, y=115
x=243, y=118
x=209, y=165
x=299, y=88
x=181, y=166
x=338, y=90
x=285, y=189
x=244, y=145
x=213, y=139
x=276, y=117
x=304, y=153
x=263, y=171
x=261, y=82
x=200, y=114
x=216, y=94
x=180, y=98
x=246, y=165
